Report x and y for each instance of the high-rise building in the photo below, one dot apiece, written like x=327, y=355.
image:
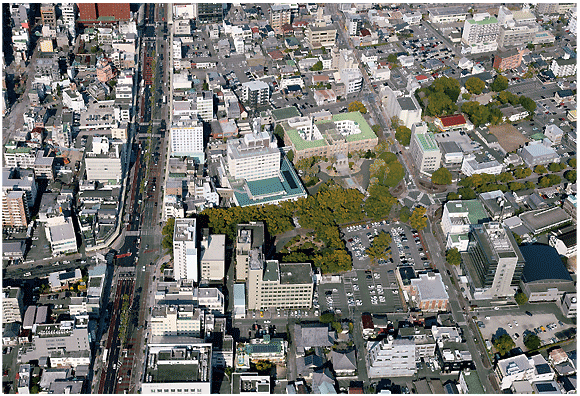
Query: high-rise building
x=187, y=139
x=508, y=60
x=212, y=257
x=424, y=149
x=256, y=93
x=20, y=180
x=279, y=285
x=185, y=250
x=249, y=244
x=48, y=14
x=254, y=157
x=68, y=12
x=405, y=108
x=204, y=101
x=493, y=262
x=280, y=14
x=352, y=80
x=480, y=33
x=209, y=12
x=391, y=358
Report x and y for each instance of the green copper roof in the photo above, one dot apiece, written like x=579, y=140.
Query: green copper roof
x=485, y=21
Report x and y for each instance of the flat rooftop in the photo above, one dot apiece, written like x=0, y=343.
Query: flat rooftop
x=295, y=273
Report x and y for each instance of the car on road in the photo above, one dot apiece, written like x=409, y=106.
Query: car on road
x=529, y=313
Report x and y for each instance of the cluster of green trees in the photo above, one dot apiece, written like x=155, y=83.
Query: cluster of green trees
x=403, y=135
x=500, y=83
x=532, y=341
x=474, y=85
x=453, y=256
x=441, y=176
x=490, y=113
x=418, y=220
x=521, y=297
x=317, y=66
x=503, y=344
x=380, y=247
x=309, y=169
x=440, y=97
x=124, y=319
x=549, y=180
x=167, y=232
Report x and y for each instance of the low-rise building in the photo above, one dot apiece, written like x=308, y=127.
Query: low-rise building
x=470, y=166
x=308, y=336
x=521, y=367
x=456, y=122
x=563, y=67
x=62, y=236
x=428, y=291
x=538, y=153
x=508, y=60
x=390, y=358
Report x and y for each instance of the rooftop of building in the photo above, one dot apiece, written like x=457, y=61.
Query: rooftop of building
x=475, y=210
x=543, y=263
x=407, y=103
x=185, y=230
x=485, y=21
x=539, y=150
x=453, y=120
x=539, y=220
x=427, y=141
x=430, y=287
x=285, y=113
x=295, y=273
x=216, y=249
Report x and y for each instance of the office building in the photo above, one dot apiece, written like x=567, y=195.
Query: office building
x=68, y=14
x=493, y=262
x=352, y=80
x=249, y=245
x=447, y=15
x=538, y=153
x=405, y=108
x=212, y=256
x=480, y=33
x=209, y=12
x=177, y=320
x=390, y=358
x=250, y=384
x=187, y=139
x=280, y=14
x=253, y=157
x=103, y=160
x=568, y=305
x=508, y=60
x=185, y=250
x=61, y=236
x=457, y=220
x=279, y=285
x=321, y=36
x=20, y=180
x=562, y=67
x=429, y=292
x=553, y=8
x=256, y=93
x=336, y=134
x=48, y=14
x=354, y=24
x=177, y=365
x=424, y=151
x=12, y=304
x=470, y=166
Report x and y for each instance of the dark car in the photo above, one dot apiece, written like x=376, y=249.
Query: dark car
x=529, y=313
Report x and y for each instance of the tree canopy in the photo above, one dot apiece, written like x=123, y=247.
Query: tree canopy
x=503, y=344
x=403, y=135
x=317, y=66
x=521, y=298
x=453, y=256
x=439, y=98
x=500, y=83
x=478, y=114
x=532, y=341
x=380, y=247
x=392, y=58
x=418, y=220
x=357, y=106
x=441, y=176
x=404, y=214
x=474, y=85
x=570, y=175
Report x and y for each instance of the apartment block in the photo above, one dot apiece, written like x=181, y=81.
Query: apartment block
x=390, y=358
x=405, y=108
x=20, y=180
x=48, y=14
x=562, y=67
x=103, y=160
x=321, y=36
x=480, y=33
x=493, y=262
x=185, y=250
x=508, y=60
x=352, y=80
x=249, y=245
x=212, y=255
x=12, y=304
x=15, y=209
x=256, y=93
x=425, y=151
x=279, y=285
x=280, y=14
x=177, y=320
x=187, y=139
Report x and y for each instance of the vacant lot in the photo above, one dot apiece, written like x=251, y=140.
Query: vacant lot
x=510, y=139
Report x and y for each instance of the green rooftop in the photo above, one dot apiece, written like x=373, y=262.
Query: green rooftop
x=538, y=136
x=485, y=21
x=475, y=210
x=427, y=141
x=473, y=383
x=285, y=113
x=365, y=128
x=300, y=143
x=19, y=150
x=271, y=271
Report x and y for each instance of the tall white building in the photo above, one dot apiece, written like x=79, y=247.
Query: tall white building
x=187, y=139
x=391, y=358
x=424, y=150
x=254, y=157
x=405, y=108
x=68, y=13
x=12, y=304
x=352, y=80
x=480, y=33
x=563, y=67
x=185, y=250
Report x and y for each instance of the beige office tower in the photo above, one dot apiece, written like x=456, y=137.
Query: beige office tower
x=249, y=243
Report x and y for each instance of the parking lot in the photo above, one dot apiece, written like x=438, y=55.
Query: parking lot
x=406, y=245
x=364, y=291
x=517, y=323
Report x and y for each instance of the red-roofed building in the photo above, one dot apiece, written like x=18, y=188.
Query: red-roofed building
x=255, y=29
x=368, y=327
x=355, y=390
x=299, y=24
x=453, y=122
x=287, y=28
x=364, y=32
x=276, y=55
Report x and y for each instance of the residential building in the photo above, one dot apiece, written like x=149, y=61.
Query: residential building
x=446, y=15
x=424, y=150
x=103, y=160
x=73, y=100
x=249, y=245
x=104, y=70
x=424, y=342
x=23, y=157
x=390, y=358
x=429, y=292
x=480, y=33
x=405, y=108
x=307, y=336
x=208, y=12
x=469, y=382
x=568, y=305
x=352, y=80
x=178, y=365
x=250, y=384
x=344, y=363
x=564, y=242
x=187, y=139
x=345, y=133
x=279, y=285
x=554, y=133
x=212, y=257
x=470, y=166
x=280, y=14
x=321, y=36
x=48, y=14
x=61, y=236
x=354, y=23
x=521, y=367
x=68, y=14
x=253, y=157
x=12, y=304
x=562, y=67
x=508, y=60
x=185, y=250
x=177, y=320
x=493, y=262
x=256, y=93
x=15, y=211
x=538, y=153
x=324, y=96
x=459, y=217
x=454, y=357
